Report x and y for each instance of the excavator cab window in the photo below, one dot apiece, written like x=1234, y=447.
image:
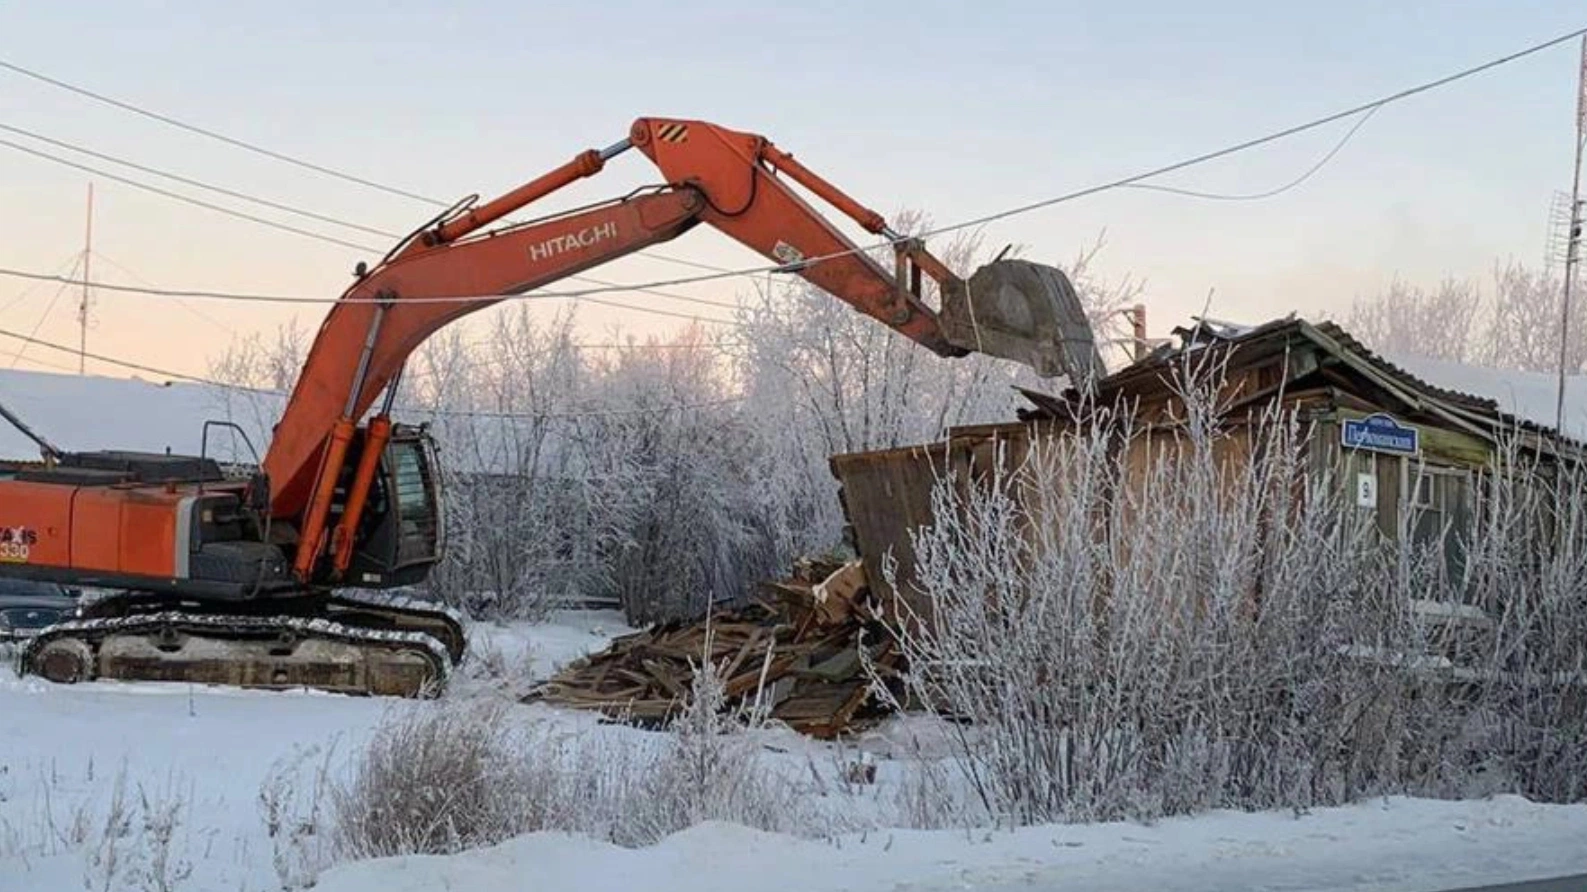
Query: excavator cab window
x=400, y=533
x=418, y=514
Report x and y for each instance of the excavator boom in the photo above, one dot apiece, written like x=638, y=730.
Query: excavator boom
x=369, y=334
x=726, y=178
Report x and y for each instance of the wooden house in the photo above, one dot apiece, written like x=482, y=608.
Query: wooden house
x=1395, y=439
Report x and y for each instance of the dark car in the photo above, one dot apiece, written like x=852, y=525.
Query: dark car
x=27, y=606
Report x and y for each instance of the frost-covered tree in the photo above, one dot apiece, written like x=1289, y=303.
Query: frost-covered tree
x=1127, y=621
x=667, y=443
x=1515, y=324
x=663, y=474
x=255, y=373
x=510, y=481
x=822, y=380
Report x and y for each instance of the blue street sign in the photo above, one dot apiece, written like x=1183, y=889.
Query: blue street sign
x=1380, y=433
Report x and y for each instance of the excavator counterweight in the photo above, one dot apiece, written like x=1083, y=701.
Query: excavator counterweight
x=277, y=580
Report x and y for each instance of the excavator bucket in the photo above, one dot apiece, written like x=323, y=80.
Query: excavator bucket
x=1026, y=312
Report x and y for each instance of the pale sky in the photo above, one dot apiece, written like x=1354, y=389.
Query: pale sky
x=955, y=109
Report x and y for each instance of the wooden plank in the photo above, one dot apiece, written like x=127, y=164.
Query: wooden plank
x=743, y=652
x=835, y=596
x=660, y=674
x=636, y=677
x=815, y=701
x=574, y=696
x=750, y=680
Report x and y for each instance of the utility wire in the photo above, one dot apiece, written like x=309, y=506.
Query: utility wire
x=268, y=153
x=988, y=218
x=291, y=209
x=584, y=294
x=1260, y=140
x=441, y=370
x=48, y=308
x=417, y=410
x=1270, y=193
x=594, y=413
x=69, y=369
x=179, y=301
x=67, y=267
x=243, y=215
x=189, y=181
x=643, y=289
x=193, y=128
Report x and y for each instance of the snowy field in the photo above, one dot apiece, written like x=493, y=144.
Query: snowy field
x=207, y=771
x=1397, y=844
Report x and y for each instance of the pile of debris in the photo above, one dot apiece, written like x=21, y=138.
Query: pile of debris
x=793, y=653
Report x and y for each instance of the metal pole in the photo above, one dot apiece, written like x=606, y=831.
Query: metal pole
x=363, y=359
x=46, y=448
x=1572, y=236
x=82, y=306
x=615, y=149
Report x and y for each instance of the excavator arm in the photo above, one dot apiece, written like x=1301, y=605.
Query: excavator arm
x=731, y=180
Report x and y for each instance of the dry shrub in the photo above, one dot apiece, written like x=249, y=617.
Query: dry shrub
x=429, y=782
x=710, y=770
x=459, y=774
x=1134, y=627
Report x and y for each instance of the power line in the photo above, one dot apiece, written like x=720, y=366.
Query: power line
x=1261, y=140
x=67, y=267
x=275, y=205
x=242, y=215
x=193, y=128
x=593, y=413
x=439, y=370
x=70, y=369
x=584, y=295
x=179, y=301
x=643, y=289
x=417, y=410
x=977, y=221
x=1270, y=193
x=189, y=181
x=109, y=360
x=48, y=308
x=261, y=150
x=299, y=211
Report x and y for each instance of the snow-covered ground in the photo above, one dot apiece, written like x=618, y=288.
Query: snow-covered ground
x=217, y=759
x=64, y=748
x=539, y=650
x=1396, y=844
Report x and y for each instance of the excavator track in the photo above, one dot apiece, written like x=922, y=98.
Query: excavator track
x=357, y=608
x=388, y=610
x=242, y=651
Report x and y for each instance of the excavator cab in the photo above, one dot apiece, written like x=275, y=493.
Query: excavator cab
x=400, y=533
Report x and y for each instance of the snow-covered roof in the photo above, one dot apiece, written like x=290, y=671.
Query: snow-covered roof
x=1529, y=396
x=88, y=412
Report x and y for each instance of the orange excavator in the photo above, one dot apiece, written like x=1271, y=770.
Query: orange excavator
x=282, y=577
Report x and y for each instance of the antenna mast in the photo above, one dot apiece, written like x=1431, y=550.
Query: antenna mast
x=1573, y=233
x=82, y=305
